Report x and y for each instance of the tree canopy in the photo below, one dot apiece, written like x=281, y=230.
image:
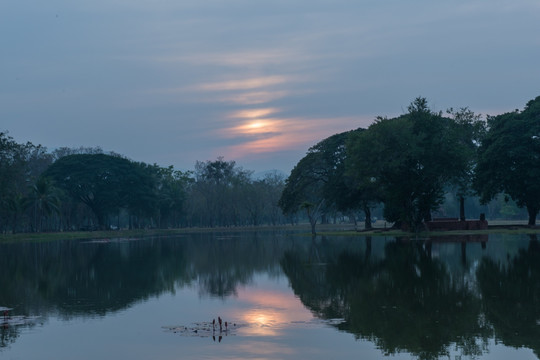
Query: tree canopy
x=105, y=183
x=509, y=158
x=409, y=160
x=317, y=183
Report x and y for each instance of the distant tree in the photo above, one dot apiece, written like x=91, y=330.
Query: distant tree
x=172, y=195
x=470, y=129
x=217, y=192
x=43, y=201
x=509, y=158
x=20, y=166
x=274, y=182
x=105, y=183
x=65, y=151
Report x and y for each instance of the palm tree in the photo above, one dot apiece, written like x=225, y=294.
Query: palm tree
x=15, y=204
x=45, y=201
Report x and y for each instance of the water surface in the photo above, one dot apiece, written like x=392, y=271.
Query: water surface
x=290, y=296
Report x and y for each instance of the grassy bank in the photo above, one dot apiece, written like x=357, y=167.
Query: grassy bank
x=495, y=227
x=112, y=234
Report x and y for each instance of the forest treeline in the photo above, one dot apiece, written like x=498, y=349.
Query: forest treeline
x=412, y=163
x=405, y=169
x=88, y=189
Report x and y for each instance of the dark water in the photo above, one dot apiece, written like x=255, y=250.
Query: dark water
x=284, y=296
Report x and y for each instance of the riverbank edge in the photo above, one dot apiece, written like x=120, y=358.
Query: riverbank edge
x=302, y=229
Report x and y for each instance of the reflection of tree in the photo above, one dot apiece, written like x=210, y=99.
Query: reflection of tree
x=224, y=262
x=8, y=335
x=404, y=302
x=84, y=279
x=94, y=278
x=511, y=297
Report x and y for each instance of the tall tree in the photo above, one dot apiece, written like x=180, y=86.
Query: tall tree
x=409, y=159
x=470, y=129
x=509, y=158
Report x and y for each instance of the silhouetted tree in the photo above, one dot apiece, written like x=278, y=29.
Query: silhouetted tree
x=509, y=158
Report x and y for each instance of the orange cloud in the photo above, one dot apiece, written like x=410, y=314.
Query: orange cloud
x=244, y=84
x=266, y=135
x=253, y=113
x=254, y=97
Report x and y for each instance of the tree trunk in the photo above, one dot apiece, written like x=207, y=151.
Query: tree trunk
x=313, y=223
x=533, y=211
x=461, y=208
x=367, y=222
x=352, y=216
x=427, y=215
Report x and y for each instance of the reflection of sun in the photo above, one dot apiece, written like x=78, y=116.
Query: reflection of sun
x=264, y=322
x=261, y=319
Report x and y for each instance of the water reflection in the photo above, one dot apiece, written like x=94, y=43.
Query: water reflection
x=410, y=300
x=423, y=297
x=511, y=297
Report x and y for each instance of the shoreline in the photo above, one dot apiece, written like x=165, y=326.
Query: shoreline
x=502, y=227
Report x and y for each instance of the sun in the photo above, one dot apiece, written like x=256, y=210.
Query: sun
x=255, y=125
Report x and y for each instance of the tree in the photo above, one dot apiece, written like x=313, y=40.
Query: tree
x=317, y=183
x=409, y=160
x=217, y=193
x=470, y=131
x=509, y=158
x=172, y=195
x=20, y=166
x=105, y=183
x=43, y=201
x=272, y=187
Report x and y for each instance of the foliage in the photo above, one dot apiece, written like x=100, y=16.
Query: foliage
x=409, y=160
x=411, y=164
x=105, y=183
x=509, y=158
x=20, y=166
x=317, y=183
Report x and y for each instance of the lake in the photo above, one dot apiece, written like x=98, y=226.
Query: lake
x=282, y=294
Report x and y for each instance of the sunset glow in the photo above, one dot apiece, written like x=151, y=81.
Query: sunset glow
x=244, y=84
x=269, y=135
x=253, y=113
x=266, y=315
x=254, y=97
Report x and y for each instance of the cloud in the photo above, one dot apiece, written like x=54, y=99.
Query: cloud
x=241, y=58
x=253, y=113
x=282, y=134
x=255, y=97
x=244, y=84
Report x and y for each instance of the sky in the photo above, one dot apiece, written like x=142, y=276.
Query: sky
x=173, y=82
